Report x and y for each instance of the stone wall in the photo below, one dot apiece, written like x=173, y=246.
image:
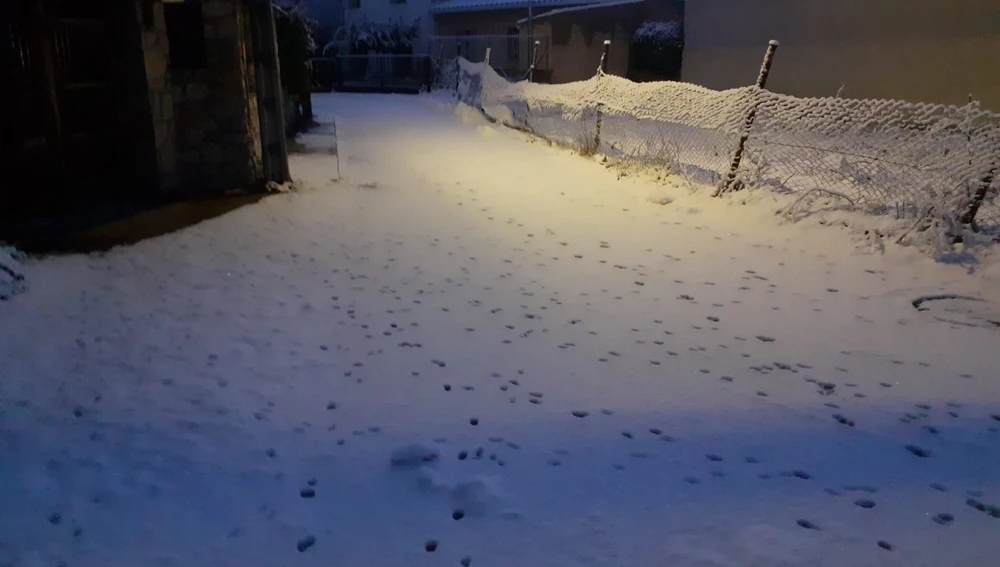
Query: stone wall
x=205, y=119
x=217, y=135
x=156, y=55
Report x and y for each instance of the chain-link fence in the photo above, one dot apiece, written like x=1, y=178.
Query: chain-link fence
x=374, y=72
x=939, y=165
x=511, y=56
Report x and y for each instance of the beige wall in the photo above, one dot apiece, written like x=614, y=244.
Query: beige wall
x=921, y=50
x=577, y=57
x=577, y=37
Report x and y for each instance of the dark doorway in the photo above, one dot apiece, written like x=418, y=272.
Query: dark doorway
x=82, y=133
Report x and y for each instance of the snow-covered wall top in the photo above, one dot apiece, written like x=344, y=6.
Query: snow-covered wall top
x=462, y=6
x=584, y=8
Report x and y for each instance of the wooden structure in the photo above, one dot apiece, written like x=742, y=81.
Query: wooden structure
x=136, y=100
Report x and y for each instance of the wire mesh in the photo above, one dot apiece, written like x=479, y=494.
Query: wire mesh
x=884, y=157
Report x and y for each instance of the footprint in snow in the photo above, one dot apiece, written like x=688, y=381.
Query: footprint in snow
x=944, y=519
x=305, y=543
x=807, y=525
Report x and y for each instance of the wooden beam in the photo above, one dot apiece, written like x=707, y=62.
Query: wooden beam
x=44, y=35
x=270, y=100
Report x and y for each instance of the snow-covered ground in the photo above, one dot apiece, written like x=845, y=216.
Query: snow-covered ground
x=475, y=349
x=11, y=279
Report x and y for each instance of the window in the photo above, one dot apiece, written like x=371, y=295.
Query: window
x=353, y=4
x=186, y=35
x=513, y=44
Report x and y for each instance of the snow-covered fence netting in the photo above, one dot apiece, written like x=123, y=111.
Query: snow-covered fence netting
x=910, y=160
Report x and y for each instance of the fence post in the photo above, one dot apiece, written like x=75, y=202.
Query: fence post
x=440, y=66
x=765, y=70
x=604, y=56
x=969, y=216
x=601, y=70
x=428, y=76
x=382, y=60
x=487, y=60
x=458, y=67
x=534, y=53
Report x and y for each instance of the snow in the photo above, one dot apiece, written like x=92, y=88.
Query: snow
x=658, y=30
x=586, y=7
x=607, y=381
x=463, y=6
x=414, y=455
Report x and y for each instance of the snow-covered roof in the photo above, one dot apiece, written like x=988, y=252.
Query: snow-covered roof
x=603, y=4
x=464, y=6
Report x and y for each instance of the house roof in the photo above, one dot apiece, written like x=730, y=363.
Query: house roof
x=465, y=6
x=602, y=4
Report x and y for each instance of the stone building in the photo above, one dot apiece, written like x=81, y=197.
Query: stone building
x=137, y=100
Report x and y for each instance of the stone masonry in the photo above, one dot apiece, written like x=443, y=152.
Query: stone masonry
x=205, y=120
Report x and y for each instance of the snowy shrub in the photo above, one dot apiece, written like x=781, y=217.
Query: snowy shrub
x=391, y=36
x=294, y=30
x=656, y=51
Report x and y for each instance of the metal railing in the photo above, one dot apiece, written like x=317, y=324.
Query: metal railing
x=380, y=72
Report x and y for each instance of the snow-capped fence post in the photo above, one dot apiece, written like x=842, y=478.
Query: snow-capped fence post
x=602, y=69
x=487, y=59
x=604, y=56
x=534, y=53
x=730, y=184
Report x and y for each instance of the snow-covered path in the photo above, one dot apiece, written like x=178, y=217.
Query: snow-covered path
x=604, y=381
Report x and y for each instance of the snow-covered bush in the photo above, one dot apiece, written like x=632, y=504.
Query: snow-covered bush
x=656, y=51
x=294, y=29
x=392, y=36
x=659, y=32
